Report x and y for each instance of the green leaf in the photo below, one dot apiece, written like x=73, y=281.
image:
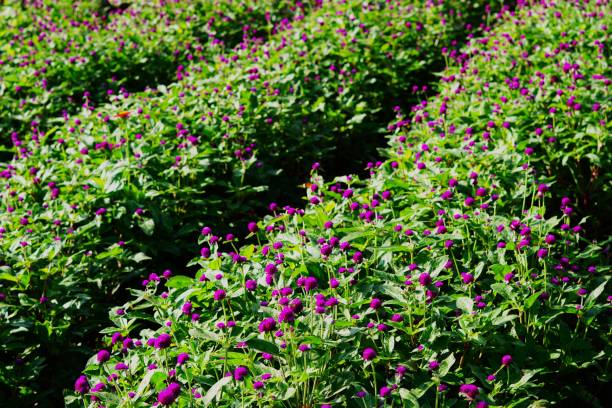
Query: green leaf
x=263, y=345
x=215, y=390
x=596, y=292
x=147, y=226
x=466, y=304
x=179, y=281
x=446, y=365
x=141, y=256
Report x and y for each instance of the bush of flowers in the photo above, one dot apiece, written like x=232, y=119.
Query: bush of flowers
x=91, y=197
x=451, y=276
x=57, y=56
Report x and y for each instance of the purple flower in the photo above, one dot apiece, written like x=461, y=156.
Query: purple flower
x=385, y=391
x=240, y=372
x=326, y=249
x=205, y=252
x=375, y=303
x=81, y=385
x=267, y=325
x=252, y=227
x=163, y=341
x=286, y=315
x=180, y=360
x=467, y=278
x=258, y=385
x=357, y=257
x=250, y=284
x=469, y=390
x=433, y=365
x=169, y=394
x=219, y=294
x=506, y=360
x=369, y=354
x=102, y=356
x=424, y=279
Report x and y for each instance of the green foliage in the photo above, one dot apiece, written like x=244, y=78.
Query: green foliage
x=449, y=276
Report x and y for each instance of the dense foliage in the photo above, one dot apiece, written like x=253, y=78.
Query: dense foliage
x=457, y=273
x=138, y=126
x=466, y=264
x=59, y=56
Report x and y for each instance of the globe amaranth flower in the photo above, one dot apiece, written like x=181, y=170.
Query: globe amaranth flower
x=424, y=279
x=267, y=325
x=433, y=365
x=219, y=294
x=163, y=341
x=286, y=315
x=102, y=356
x=169, y=394
x=375, y=303
x=81, y=385
x=369, y=354
x=182, y=358
x=240, y=372
x=506, y=360
x=385, y=391
x=250, y=284
x=252, y=227
x=469, y=390
x=258, y=385
x=467, y=278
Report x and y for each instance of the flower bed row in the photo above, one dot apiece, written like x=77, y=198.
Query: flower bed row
x=88, y=203
x=448, y=277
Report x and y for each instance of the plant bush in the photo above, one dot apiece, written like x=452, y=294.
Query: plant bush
x=58, y=56
x=88, y=202
x=448, y=277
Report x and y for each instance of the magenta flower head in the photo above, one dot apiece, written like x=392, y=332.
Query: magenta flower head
x=240, y=372
x=369, y=354
x=469, y=390
x=267, y=325
x=375, y=303
x=81, y=385
x=424, y=279
x=433, y=365
x=219, y=294
x=467, y=278
x=385, y=391
x=357, y=257
x=251, y=284
x=163, y=341
x=506, y=360
x=169, y=394
x=182, y=358
x=252, y=227
x=102, y=356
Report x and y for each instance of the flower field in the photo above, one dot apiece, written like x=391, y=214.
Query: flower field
x=166, y=240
